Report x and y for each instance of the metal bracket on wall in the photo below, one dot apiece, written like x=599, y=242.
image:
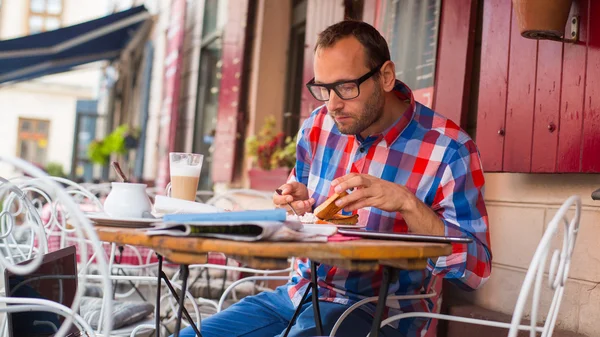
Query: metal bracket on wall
x=574, y=31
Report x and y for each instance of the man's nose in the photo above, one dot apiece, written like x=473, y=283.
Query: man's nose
x=335, y=102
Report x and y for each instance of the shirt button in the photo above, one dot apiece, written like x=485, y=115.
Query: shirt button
x=362, y=150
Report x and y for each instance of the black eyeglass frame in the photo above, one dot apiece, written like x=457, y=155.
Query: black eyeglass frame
x=332, y=86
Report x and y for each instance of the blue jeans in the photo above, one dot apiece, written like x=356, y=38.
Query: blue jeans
x=268, y=314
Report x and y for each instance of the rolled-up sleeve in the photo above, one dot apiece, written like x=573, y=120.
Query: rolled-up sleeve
x=460, y=205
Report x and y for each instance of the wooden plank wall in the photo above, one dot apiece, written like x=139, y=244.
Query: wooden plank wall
x=454, y=59
x=539, y=101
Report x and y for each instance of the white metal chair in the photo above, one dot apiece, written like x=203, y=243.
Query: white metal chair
x=560, y=261
x=20, y=214
x=138, y=274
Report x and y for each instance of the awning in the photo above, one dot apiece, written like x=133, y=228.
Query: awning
x=62, y=49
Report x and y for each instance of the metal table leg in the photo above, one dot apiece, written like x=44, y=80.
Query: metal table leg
x=185, y=271
x=297, y=312
x=158, y=286
x=383, y=294
x=181, y=310
x=315, y=300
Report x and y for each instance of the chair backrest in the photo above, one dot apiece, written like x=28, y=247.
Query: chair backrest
x=87, y=244
x=560, y=261
x=22, y=234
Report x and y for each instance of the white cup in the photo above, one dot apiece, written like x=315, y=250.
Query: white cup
x=128, y=200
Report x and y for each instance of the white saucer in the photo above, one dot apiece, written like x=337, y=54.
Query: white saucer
x=104, y=219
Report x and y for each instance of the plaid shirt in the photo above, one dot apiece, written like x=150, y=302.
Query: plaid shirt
x=435, y=160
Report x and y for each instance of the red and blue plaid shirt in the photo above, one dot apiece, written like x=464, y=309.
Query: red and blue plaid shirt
x=435, y=160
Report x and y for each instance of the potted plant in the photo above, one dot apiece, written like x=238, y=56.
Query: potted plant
x=273, y=153
x=542, y=19
x=55, y=170
x=118, y=142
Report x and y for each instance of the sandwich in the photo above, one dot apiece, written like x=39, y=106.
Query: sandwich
x=327, y=212
x=340, y=219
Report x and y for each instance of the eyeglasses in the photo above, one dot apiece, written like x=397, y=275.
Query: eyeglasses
x=344, y=89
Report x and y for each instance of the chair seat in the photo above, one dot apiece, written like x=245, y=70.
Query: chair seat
x=126, y=330
x=124, y=312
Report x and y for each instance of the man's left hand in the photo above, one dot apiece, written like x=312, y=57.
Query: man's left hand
x=370, y=191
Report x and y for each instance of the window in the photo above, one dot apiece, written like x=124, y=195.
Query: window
x=44, y=15
x=32, y=141
x=208, y=86
x=411, y=29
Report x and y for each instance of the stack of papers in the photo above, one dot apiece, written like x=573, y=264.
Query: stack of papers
x=256, y=225
x=167, y=205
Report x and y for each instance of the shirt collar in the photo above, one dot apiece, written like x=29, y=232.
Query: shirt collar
x=392, y=133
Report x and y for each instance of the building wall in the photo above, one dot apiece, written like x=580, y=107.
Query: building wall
x=188, y=94
x=52, y=97
x=30, y=102
x=158, y=38
x=519, y=207
x=268, y=65
x=519, y=204
x=539, y=109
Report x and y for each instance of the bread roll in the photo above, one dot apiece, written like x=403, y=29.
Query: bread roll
x=328, y=209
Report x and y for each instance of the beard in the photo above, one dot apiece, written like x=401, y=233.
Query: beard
x=372, y=112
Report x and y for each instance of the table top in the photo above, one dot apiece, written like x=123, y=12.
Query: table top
x=359, y=255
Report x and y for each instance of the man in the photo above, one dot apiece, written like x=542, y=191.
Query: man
x=411, y=170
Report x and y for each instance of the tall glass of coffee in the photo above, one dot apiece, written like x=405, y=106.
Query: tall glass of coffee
x=185, y=172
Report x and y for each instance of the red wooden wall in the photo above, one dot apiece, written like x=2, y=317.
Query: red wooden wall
x=539, y=101
x=454, y=59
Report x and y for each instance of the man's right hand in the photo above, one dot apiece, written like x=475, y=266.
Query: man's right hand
x=296, y=194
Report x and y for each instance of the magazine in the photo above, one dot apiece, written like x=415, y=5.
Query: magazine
x=231, y=230
x=256, y=225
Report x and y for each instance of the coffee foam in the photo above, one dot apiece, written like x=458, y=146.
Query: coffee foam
x=185, y=170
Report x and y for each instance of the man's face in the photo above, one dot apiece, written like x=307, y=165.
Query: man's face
x=345, y=60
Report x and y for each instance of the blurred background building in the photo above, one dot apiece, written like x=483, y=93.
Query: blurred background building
x=38, y=116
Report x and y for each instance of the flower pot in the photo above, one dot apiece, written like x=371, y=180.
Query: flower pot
x=267, y=180
x=542, y=19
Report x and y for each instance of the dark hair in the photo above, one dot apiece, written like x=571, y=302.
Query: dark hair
x=376, y=48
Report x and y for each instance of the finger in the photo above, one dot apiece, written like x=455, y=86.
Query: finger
x=356, y=180
x=342, y=179
x=303, y=206
x=286, y=188
x=352, y=197
x=282, y=199
x=357, y=205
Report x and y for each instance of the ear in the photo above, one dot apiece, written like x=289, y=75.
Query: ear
x=388, y=76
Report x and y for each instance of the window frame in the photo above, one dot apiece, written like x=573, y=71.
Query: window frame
x=44, y=15
x=34, y=135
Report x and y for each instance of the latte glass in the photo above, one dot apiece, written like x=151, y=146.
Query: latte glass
x=185, y=173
